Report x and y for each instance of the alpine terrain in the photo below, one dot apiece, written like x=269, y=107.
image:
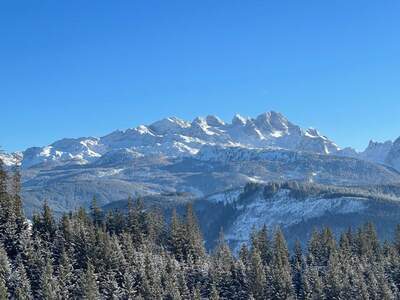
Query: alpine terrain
x=249, y=172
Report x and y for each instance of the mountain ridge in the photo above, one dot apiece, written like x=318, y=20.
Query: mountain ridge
x=201, y=157
x=176, y=137
x=173, y=136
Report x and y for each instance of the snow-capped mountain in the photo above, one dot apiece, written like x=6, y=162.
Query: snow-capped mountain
x=201, y=157
x=173, y=137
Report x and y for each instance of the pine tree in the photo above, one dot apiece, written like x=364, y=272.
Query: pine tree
x=3, y=181
x=214, y=294
x=151, y=278
x=183, y=288
x=89, y=287
x=65, y=276
x=262, y=242
x=3, y=290
x=109, y=288
x=129, y=288
x=176, y=237
x=35, y=263
x=171, y=289
x=396, y=241
x=19, y=282
x=312, y=287
x=239, y=285
x=328, y=246
x=196, y=293
x=16, y=194
x=135, y=221
x=297, y=265
x=354, y=285
x=256, y=275
x=194, y=241
x=5, y=271
x=44, y=224
x=244, y=254
x=49, y=286
x=96, y=212
x=314, y=249
x=222, y=253
x=281, y=285
x=334, y=278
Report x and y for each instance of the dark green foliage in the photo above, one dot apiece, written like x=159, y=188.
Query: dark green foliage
x=135, y=255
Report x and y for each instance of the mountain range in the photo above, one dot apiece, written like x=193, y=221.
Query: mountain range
x=173, y=137
x=180, y=161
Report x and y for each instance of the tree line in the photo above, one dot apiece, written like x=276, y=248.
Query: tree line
x=91, y=254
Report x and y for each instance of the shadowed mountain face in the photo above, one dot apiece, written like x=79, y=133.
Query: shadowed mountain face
x=196, y=158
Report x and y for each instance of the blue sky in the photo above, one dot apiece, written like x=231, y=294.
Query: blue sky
x=80, y=68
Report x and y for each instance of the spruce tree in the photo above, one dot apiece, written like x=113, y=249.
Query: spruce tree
x=49, y=285
x=5, y=271
x=20, y=287
x=89, y=286
x=96, y=212
x=194, y=242
x=3, y=181
x=281, y=285
x=176, y=237
x=334, y=279
x=256, y=275
x=214, y=294
x=65, y=276
x=129, y=289
x=171, y=284
x=297, y=264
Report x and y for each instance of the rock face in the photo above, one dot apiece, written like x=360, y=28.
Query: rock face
x=393, y=157
x=377, y=152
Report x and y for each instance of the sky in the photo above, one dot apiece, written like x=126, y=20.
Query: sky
x=86, y=68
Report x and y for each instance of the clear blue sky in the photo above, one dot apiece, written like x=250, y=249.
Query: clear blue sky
x=80, y=68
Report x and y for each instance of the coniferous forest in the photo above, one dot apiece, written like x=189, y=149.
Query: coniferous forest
x=89, y=254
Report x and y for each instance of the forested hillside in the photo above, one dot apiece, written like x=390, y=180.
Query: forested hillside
x=136, y=255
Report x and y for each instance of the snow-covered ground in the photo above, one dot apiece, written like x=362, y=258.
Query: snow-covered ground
x=284, y=210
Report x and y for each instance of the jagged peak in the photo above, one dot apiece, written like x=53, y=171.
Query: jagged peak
x=169, y=124
x=199, y=120
x=312, y=132
x=214, y=121
x=272, y=115
x=272, y=121
x=374, y=144
x=239, y=120
x=173, y=120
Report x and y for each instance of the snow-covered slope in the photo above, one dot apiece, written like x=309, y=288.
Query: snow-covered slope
x=284, y=210
x=10, y=160
x=297, y=208
x=174, y=137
